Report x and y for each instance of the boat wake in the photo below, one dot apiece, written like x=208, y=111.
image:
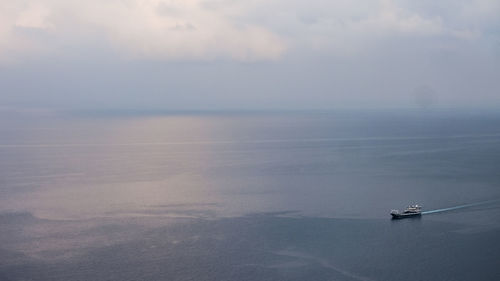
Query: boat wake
x=459, y=207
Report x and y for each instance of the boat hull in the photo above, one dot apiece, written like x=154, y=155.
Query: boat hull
x=404, y=216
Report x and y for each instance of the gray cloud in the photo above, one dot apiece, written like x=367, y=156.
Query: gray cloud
x=248, y=54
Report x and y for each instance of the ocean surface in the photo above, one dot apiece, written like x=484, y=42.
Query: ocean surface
x=249, y=196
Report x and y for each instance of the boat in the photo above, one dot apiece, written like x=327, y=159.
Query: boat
x=410, y=211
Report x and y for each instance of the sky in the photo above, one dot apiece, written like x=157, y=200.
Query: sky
x=249, y=54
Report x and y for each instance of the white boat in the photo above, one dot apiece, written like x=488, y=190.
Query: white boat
x=410, y=211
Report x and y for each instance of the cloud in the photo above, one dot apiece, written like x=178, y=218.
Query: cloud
x=188, y=53
x=34, y=16
x=144, y=29
x=226, y=29
x=349, y=27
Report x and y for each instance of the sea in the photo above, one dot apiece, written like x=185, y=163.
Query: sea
x=249, y=195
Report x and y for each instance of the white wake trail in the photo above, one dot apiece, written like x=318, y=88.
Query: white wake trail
x=459, y=207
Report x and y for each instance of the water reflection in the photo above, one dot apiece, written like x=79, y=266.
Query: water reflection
x=329, y=165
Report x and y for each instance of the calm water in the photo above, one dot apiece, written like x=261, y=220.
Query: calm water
x=254, y=196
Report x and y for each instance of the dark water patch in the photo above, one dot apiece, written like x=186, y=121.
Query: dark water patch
x=272, y=247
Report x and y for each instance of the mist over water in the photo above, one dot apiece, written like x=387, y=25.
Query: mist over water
x=250, y=196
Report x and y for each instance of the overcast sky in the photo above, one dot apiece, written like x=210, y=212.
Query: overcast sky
x=249, y=54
